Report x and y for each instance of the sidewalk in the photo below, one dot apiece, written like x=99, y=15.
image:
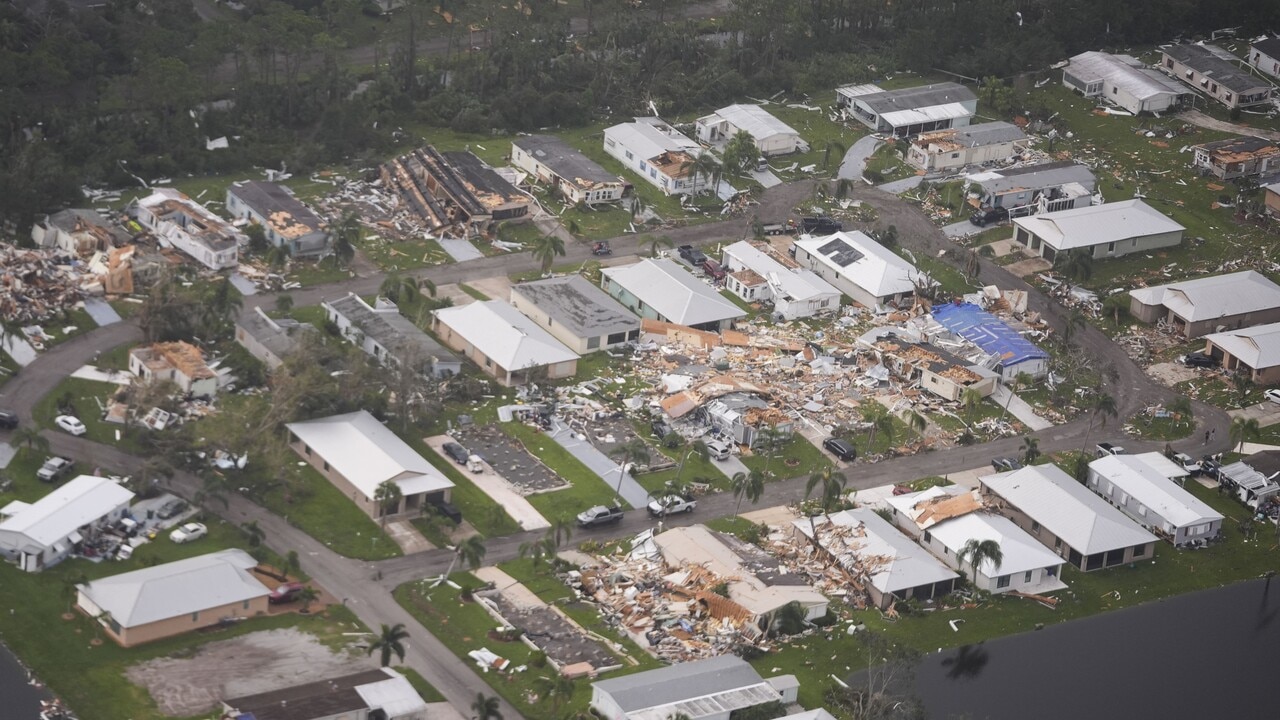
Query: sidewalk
x=499, y=490
x=1004, y=397
x=600, y=464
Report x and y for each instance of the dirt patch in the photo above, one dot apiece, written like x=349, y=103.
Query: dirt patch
x=1171, y=374
x=254, y=663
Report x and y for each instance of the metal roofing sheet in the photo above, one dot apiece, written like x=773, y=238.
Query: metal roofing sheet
x=677, y=683
x=1142, y=477
x=933, y=113
x=1098, y=224
x=1216, y=296
x=177, y=588
x=55, y=516
x=870, y=265
x=505, y=335
x=673, y=292
x=893, y=562
x=1258, y=346
x=1125, y=72
x=755, y=120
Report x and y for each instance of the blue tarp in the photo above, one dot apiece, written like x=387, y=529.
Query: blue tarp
x=987, y=332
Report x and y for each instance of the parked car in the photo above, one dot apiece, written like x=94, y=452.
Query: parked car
x=70, y=424
x=692, y=255
x=8, y=420
x=671, y=505
x=660, y=428
x=1273, y=395
x=718, y=449
x=1198, y=359
x=1186, y=462
x=286, y=593
x=1210, y=465
x=713, y=268
x=449, y=510
x=459, y=454
x=54, y=468
x=171, y=509
x=989, y=216
x=762, y=164
x=820, y=225
x=599, y=515
x=774, y=229
x=1005, y=464
x=1105, y=449
x=190, y=532
x=842, y=449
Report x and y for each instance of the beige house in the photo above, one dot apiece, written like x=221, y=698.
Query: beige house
x=175, y=598
x=1254, y=350
x=506, y=345
x=177, y=362
x=356, y=453
x=577, y=177
x=576, y=313
x=1194, y=308
x=971, y=145
x=1213, y=72
x=1271, y=199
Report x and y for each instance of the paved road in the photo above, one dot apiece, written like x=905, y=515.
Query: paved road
x=1195, y=117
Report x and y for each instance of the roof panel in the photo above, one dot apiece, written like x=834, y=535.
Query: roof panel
x=506, y=336
x=673, y=292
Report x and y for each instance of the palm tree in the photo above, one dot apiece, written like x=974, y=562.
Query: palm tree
x=428, y=286
x=1077, y=264
x=656, y=242
x=1242, y=430
x=538, y=551
x=1101, y=405
x=832, y=484
x=397, y=288
x=627, y=453
x=916, y=422
x=1180, y=405
x=347, y=232
x=253, y=533
x=740, y=153
x=706, y=165
x=768, y=440
x=31, y=437
x=486, y=707
x=388, y=496
x=970, y=399
x=1075, y=321
x=546, y=249
x=979, y=551
x=697, y=447
x=277, y=258
x=880, y=421
x=1030, y=449
x=749, y=485
x=308, y=595
x=470, y=551
x=390, y=641
x=560, y=531
x=1243, y=385
x=559, y=690
x=827, y=151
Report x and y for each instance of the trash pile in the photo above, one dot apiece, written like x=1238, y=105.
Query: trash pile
x=35, y=285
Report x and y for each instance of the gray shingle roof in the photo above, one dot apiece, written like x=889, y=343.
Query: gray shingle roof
x=586, y=310
x=391, y=330
x=1209, y=64
x=564, y=160
x=681, y=682
x=914, y=98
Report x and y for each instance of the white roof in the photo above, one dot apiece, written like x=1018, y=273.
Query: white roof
x=713, y=686
x=1125, y=72
x=505, y=335
x=650, y=137
x=55, y=516
x=673, y=292
x=753, y=119
x=863, y=261
x=795, y=283
x=1258, y=347
x=1021, y=551
x=1098, y=224
x=1146, y=477
x=177, y=589
x=1067, y=509
x=891, y=561
x=852, y=91
x=1217, y=296
x=366, y=453
x=946, y=111
x=912, y=504
x=395, y=695
x=815, y=714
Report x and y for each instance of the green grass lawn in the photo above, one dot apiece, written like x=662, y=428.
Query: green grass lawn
x=797, y=457
x=887, y=163
x=22, y=471
x=323, y=512
x=477, y=508
x=419, y=683
x=392, y=256
x=316, y=272
x=58, y=643
x=586, y=488
x=88, y=399
x=473, y=292
x=1146, y=427
x=76, y=323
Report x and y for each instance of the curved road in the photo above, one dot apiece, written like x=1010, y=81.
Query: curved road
x=366, y=586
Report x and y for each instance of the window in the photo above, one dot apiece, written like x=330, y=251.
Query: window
x=1228, y=97
x=487, y=361
x=1002, y=581
x=326, y=466
x=306, y=450
x=1026, y=577
x=1035, y=526
x=1111, y=247
x=195, y=616
x=630, y=156
x=593, y=343
x=1142, y=510
x=1115, y=91
x=1057, y=543
x=245, y=605
x=955, y=155
x=928, y=537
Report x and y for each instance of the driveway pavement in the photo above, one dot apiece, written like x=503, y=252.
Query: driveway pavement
x=1266, y=413
x=600, y=464
x=855, y=158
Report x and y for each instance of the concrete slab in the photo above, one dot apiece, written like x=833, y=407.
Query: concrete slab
x=89, y=372
x=777, y=516
x=766, y=179
x=443, y=711
x=903, y=185
x=101, y=311
x=1004, y=397
x=1004, y=247
x=497, y=488
x=959, y=229
x=1266, y=413
x=460, y=250
x=407, y=536
x=243, y=284
x=1030, y=266
x=510, y=588
x=19, y=349
x=497, y=288
x=855, y=158
x=1171, y=374
x=454, y=293
x=7, y=452
x=1251, y=448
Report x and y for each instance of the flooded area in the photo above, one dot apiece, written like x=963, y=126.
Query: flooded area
x=21, y=700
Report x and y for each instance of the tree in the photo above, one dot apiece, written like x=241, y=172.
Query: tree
x=1243, y=384
x=470, y=551
x=1077, y=264
x=1242, y=430
x=740, y=153
x=32, y=438
x=916, y=423
x=886, y=691
x=347, y=233
x=291, y=564
x=399, y=288
x=284, y=302
x=768, y=441
x=1076, y=320
x=559, y=690
x=1181, y=406
x=390, y=642
x=880, y=422
x=970, y=400
x=977, y=551
x=788, y=619
x=657, y=242
x=1030, y=450
x=257, y=238
x=749, y=485
x=546, y=249
x=706, y=165
x=832, y=148
x=486, y=707
x=697, y=447
x=388, y=496
x=627, y=453
x=1101, y=405
x=832, y=484
x=308, y=595
x=254, y=535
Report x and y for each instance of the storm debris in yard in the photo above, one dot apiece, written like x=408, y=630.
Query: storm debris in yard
x=36, y=285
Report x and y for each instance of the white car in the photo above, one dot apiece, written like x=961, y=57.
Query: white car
x=189, y=532
x=1273, y=395
x=70, y=424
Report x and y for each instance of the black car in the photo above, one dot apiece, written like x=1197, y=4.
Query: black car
x=660, y=428
x=1005, y=464
x=457, y=452
x=171, y=509
x=448, y=510
x=693, y=255
x=989, y=216
x=8, y=420
x=1198, y=359
x=842, y=449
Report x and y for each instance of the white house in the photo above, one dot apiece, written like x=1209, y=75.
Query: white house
x=1265, y=56
x=868, y=272
x=1143, y=486
x=381, y=694
x=659, y=289
x=1046, y=187
x=889, y=564
x=577, y=177
x=1193, y=308
x=356, y=453
x=42, y=534
x=179, y=222
x=756, y=275
x=177, y=362
x=503, y=343
x=771, y=135
x=909, y=111
x=1106, y=231
x=710, y=689
x=944, y=519
x=1122, y=80
x=658, y=153
x=1062, y=514
x=1255, y=350
x=381, y=331
x=285, y=221
x=576, y=313
x=971, y=145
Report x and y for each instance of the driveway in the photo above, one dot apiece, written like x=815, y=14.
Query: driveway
x=600, y=464
x=1195, y=117
x=855, y=158
x=1266, y=413
x=903, y=185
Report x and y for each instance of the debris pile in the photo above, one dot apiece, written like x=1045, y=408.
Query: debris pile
x=35, y=285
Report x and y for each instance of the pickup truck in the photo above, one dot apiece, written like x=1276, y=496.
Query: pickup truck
x=599, y=515
x=774, y=229
x=671, y=504
x=820, y=225
x=1105, y=449
x=53, y=468
x=693, y=255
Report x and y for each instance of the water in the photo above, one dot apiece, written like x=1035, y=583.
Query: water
x=1210, y=654
x=18, y=700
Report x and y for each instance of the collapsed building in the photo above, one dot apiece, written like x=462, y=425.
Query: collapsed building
x=35, y=285
x=454, y=193
x=179, y=222
x=77, y=231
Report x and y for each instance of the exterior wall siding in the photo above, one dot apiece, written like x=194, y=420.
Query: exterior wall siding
x=1147, y=517
x=129, y=637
